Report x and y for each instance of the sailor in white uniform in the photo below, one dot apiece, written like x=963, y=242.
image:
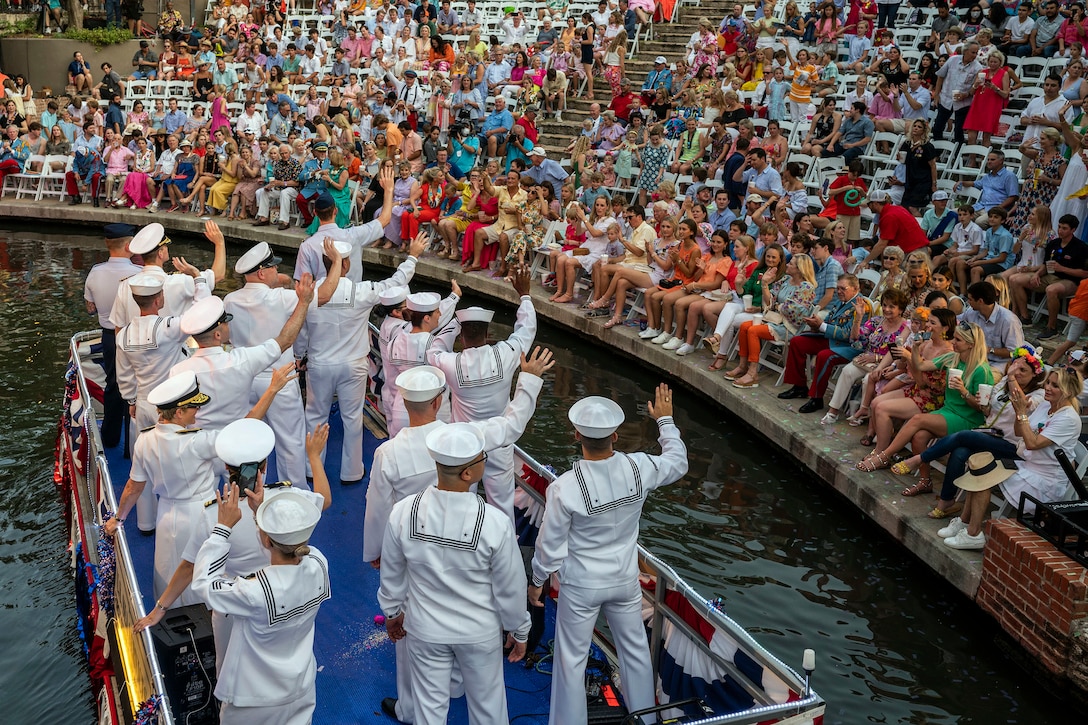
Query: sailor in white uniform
x=244, y=446
x=179, y=290
x=269, y=671
x=399, y=471
x=259, y=310
x=228, y=376
x=179, y=461
x=396, y=322
x=451, y=558
x=590, y=536
x=336, y=344
x=479, y=378
x=412, y=348
x=308, y=260
x=147, y=348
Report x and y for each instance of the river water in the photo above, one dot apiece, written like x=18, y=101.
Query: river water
x=794, y=563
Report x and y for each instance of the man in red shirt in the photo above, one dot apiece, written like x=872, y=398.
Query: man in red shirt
x=621, y=104
x=528, y=122
x=897, y=226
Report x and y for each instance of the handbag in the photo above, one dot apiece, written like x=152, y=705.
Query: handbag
x=773, y=317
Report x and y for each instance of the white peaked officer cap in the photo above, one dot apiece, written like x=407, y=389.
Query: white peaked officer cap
x=393, y=296
x=288, y=518
x=343, y=248
x=455, y=444
x=596, y=417
x=421, y=383
x=178, y=391
x=424, y=301
x=258, y=257
x=245, y=441
x=145, y=285
x=148, y=238
x=475, y=314
x=204, y=315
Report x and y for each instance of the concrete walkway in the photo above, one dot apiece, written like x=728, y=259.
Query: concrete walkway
x=828, y=451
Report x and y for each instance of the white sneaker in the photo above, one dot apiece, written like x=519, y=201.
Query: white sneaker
x=153, y=208
x=673, y=344
x=559, y=115
x=662, y=338
x=964, y=540
x=685, y=349
x=954, y=527
x=829, y=418
x=649, y=333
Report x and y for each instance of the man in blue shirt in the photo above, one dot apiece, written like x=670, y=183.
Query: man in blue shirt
x=827, y=269
x=998, y=184
x=273, y=100
x=659, y=77
x=497, y=124
x=115, y=117
x=854, y=134
x=281, y=123
x=544, y=170
x=174, y=118
x=722, y=215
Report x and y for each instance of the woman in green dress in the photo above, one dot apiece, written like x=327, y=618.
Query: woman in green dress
x=336, y=181
x=961, y=409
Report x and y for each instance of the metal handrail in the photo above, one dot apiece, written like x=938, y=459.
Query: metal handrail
x=99, y=473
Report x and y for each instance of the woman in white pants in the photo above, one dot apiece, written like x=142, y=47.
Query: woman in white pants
x=728, y=318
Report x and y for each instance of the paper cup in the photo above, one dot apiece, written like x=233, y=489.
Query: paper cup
x=984, y=392
x=757, y=319
x=1050, y=267
x=955, y=374
x=746, y=300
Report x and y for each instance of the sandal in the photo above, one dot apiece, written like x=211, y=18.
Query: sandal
x=868, y=467
x=940, y=513
x=718, y=364
x=859, y=418
x=612, y=323
x=712, y=343
x=735, y=373
x=902, y=469
x=868, y=440
x=924, y=485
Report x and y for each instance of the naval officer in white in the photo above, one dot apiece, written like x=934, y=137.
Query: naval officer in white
x=259, y=310
x=412, y=348
x=179, y=290
x=452, y=578
x=590, y=536
x=336, y=344
x=269, y=671
x=228, y=376
x=398, y=471
x=147, y=348
x=179, y=461
x=479, y=379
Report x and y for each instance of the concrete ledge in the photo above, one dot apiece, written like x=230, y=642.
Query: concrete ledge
x=828, y=451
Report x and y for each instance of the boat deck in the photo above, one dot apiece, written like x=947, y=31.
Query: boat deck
x=355, y=658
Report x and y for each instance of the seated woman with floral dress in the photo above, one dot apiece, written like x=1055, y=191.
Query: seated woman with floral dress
x=961, y=409
x=786, y=304
x=997, y=435
x=1054, y=424
x=533, y=220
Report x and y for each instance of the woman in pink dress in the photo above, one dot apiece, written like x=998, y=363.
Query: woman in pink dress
x=220, y=117
x=991, y=96
x=139, y=189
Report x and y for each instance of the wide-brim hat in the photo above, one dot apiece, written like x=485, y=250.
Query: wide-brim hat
x=984, y=472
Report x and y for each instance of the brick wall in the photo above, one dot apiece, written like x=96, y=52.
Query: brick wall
x=1037, y=594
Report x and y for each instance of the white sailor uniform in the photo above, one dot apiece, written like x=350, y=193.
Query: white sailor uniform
x=260, y=312
x=178, y=463
x=269, y=670
x=179, y=292
x=336, y=341
x=400, y=469
x=479, y=380
x=590, y=536
x=411, y=349
x=391, y=369
x=227, y=377
x=147, y=348
x=246, y=556
x=310, y=251
x=449, y=557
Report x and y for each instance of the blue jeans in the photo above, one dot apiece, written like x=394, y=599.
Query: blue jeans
x=113, y=12
x=959, y=447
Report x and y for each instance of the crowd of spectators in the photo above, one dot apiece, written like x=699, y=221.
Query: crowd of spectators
x=880, y=193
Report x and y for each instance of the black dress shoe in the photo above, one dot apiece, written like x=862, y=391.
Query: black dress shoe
x=812, y=406
x=389, y=707
x=795, y=392
x=95, y=202
x=74, y=200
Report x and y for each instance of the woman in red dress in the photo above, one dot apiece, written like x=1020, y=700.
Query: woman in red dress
x=992, y=91
x=424, y=204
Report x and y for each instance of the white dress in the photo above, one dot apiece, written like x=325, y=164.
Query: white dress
x=1076, y=176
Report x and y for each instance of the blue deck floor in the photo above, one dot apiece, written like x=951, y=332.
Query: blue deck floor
x=354, y=656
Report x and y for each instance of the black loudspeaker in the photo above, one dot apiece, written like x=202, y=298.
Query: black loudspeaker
x=185, y=647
